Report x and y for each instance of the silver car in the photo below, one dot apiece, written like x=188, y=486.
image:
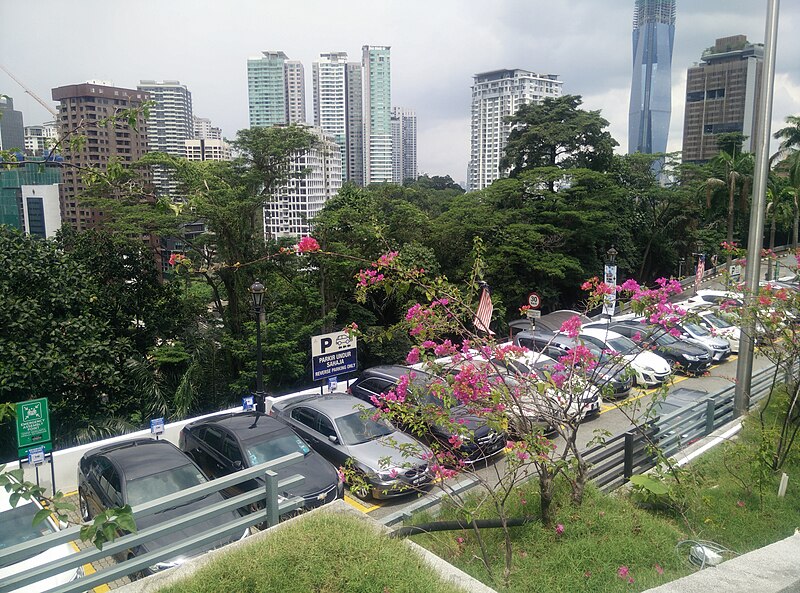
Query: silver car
x=339, y=427
x=718, y=346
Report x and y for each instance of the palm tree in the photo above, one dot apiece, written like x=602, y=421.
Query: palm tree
x=793, y=190
x=736, y=172
x=790, y=135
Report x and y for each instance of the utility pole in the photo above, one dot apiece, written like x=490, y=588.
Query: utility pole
x=755, y=238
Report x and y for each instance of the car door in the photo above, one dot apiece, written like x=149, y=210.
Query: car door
x=307, y=421
x=208, y=452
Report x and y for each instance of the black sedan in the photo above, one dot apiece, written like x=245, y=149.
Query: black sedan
x=138, y=471
x=690, y=358
x=484, y=442
x=223, y=444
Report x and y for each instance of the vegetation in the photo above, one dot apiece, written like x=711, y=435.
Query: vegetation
x=324, y=552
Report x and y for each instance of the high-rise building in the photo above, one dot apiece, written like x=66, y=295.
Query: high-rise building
x=315, y=177
x=651, y=81
x=354, y=165
x=497, y=95
x=329, y=77
x=377, y=100
x=90, y=102
x=40, y=139
x=722, y=97
x=201, y=149
x=275, y=90
x=29, y=197
x=404, y=144
x=203, y=130
x=12, y=133
x=169, y=124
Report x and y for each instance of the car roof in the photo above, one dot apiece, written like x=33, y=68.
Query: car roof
x=394, y=371
x=141, y=457
x=596, y=332
x=334, y=405
x=243, y=424
x=545, y=336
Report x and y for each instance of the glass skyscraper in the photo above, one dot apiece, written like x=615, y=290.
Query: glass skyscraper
x=651, y=92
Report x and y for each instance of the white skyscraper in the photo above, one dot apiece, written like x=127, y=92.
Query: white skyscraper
x=377, y=99
x=203, y=130
x=404, y=144
x=330, y=96
x=316, y=177
x=495, y=96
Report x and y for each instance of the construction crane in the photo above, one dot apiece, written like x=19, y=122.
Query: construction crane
x=41, y=101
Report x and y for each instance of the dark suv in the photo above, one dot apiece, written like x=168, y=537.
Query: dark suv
x=613, y=378
x=485, y=441
x=138, y=471
x=224, y=444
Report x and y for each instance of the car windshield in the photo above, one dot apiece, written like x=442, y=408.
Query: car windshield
x=284, y=444
x=696, y=329
x=18, y=525
x=356, y=430
x=163, y=483
x=717, y=322
x=621, y=344
x=665, y=339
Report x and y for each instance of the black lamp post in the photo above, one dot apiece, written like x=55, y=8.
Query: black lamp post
x=257, y=293
x=681, y=261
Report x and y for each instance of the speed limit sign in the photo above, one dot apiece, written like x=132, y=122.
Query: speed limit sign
x=534, y=300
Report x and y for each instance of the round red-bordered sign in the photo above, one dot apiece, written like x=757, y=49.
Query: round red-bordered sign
x=534, y=300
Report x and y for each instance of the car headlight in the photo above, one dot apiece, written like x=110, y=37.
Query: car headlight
x=691, y=358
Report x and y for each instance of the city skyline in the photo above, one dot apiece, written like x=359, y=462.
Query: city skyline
x=436, y=50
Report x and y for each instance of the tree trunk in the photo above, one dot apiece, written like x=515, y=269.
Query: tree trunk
x=546, y=488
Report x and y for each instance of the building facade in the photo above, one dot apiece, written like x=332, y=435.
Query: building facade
x=169, y=125
x=404, y=144
x=275, y=90
x=29, y=197
x=39, y=140
x=329, y=77
x=496, y=95
x=12, y=130
x=90, y=102
x=722, y=96
x=651, y=80
x=200, y=149
x=315, y=177
x=377, y=102
x=354, y=165
x=203, y=130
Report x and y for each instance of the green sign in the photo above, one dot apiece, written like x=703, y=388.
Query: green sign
x=33, y=426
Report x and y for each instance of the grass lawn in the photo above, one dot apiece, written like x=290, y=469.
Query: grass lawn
x=608, y=533
x=324, y=553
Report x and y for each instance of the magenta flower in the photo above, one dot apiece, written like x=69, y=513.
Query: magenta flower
x=413, y=356
x=308, y=245
x=572, y=326
x=559, y=529
x=622, y=572
x=658, y=568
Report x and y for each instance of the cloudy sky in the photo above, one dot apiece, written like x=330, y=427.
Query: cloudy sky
x=437, y=45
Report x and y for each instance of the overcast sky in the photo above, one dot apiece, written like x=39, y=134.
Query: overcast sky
x=437, y=46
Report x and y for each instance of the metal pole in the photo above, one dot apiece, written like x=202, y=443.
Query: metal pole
x=259, y=395
x=744, y=368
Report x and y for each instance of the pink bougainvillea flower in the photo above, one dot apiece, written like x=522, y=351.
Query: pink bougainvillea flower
x=559, y=529
x=622, y=572
x=658, y=568
x=172, y=259
x=572, y=326
x=413, y=356
x=459, y=540
x=740, y=504
x=308, y=245
x=587, y=574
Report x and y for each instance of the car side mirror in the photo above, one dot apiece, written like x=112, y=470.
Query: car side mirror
x=237, y=465
x=332, y=438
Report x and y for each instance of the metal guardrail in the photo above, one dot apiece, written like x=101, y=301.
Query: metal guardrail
x=274, y=509
x=615, y=461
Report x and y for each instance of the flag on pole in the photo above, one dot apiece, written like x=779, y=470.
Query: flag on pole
x=483, y=316
x=701, y=268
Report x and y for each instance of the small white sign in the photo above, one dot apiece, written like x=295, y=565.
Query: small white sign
x=333, y=383
x=36, y=456
x=157, y=426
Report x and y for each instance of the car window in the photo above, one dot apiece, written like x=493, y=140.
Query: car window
x=593, y=340
x=696, y=329
x=261, y=451
x=716, y=321
x=621, y=344
x=356, y=429
x=18, y=525
x=109, y=482
x=376, y=385
x=527, y=343
x=163, y=483
x=305, y=416
x=213, y=438
x=325, y=426
x=230, y=449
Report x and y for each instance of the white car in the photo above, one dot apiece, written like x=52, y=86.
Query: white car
x=17, y=527
x=719, y=347
x=650, y=368
x=720, y=327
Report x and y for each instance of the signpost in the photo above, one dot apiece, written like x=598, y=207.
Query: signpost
x=248, y=403
x=333, y=354
x=157, y=426
x=33, y=426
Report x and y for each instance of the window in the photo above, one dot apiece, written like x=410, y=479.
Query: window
x=230, y=449
x=305, y=416
x=213, y=438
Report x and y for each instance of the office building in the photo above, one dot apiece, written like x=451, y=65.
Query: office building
x=404, y=144
x=90, y=102
x=169, y=125
x=203, y=130
x=12, y=130
x=651, y=80
x=29, y=197
x=329, y=76
x=275, y=90
x=497, y=95
x=377, y=102
x=722, y=96
x=354, y=165
x=201, y=149
x=315, y=177
x=39, y=140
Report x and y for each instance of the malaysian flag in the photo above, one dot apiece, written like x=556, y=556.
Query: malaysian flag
x=701, y=268
x=483, y=316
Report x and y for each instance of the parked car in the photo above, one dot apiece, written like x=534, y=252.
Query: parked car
x=340, y=428
x=485, y=441
x=224, y=444
x=689, y=357
x=719, y=327
x=141, y=470
x=694, y=332
x=650, y=368
x=613, y=378
x=18, y=528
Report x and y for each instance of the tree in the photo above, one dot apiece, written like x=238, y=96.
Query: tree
x=557, y=133
x=789, y=135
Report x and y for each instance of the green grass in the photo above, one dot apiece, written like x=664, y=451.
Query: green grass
x=608, y=532
x=324, y=553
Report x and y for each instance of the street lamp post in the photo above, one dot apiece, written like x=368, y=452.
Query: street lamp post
x=610, y=279
x=257, y=293
x=681, y=261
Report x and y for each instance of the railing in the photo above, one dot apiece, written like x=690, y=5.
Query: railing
x=615, y=461
x=275, y=507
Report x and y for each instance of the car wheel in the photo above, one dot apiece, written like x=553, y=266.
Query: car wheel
x=360, y=486
x=86, y=514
